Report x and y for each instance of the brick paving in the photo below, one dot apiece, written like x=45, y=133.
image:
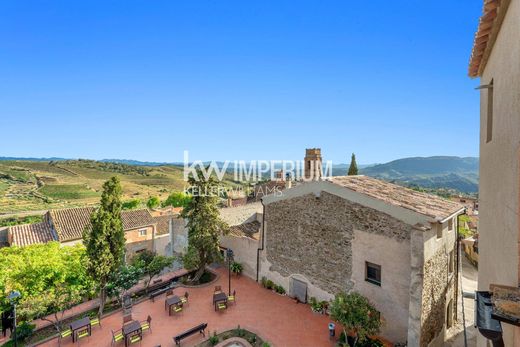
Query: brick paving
x=277, y=319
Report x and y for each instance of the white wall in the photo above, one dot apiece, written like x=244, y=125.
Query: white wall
x=499, y=193
x=392, y=297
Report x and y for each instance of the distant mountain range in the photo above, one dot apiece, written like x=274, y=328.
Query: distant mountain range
x=455, y=173
x=439, y=172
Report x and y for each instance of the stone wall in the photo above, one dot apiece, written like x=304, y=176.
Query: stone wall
x=312, y=236
x=438, y=288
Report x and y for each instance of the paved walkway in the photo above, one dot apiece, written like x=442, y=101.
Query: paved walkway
x=469, y=285
x=277, y=319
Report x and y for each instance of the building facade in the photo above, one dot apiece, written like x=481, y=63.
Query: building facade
x=393, y=245
x=495, y=59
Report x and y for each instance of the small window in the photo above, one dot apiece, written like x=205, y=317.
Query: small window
x=142, y=232
x=489, y=113
x=439, y=231
x=373, y=273
x=451, y=262
x=450, y=225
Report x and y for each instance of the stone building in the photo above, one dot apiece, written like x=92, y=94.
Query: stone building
x=495, y=60
x=393, y=245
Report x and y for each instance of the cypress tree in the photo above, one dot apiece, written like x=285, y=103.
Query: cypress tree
x=204, y=225
x=104, y=239
x=353, y=170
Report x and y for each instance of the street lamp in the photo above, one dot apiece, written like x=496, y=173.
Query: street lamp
x=229, y=256
x=12, y=299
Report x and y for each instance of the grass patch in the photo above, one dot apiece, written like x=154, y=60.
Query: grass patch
x=68, y=191
x=6, y=222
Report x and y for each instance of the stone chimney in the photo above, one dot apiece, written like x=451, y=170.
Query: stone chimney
x=312, y=162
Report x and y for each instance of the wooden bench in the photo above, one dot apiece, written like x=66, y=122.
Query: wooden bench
x=198, y=329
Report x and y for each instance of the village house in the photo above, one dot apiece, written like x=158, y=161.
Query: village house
x=396, y=246
x=495, y=60
x=142, y=230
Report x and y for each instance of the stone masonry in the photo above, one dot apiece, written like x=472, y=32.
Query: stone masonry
x=435, y=286
x=312, y=236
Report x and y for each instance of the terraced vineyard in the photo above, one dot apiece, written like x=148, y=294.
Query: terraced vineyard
x=35, y=186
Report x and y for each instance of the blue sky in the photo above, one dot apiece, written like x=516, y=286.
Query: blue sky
x=247, y=80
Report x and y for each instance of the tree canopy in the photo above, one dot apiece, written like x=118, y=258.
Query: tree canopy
x=50, y=278
x=353, y=170
x=151, y=264
x=153, y=202
x=357, y=315
x=105, y=240
x=177, y=199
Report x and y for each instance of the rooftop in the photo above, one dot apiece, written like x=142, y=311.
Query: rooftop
x=493, y=13
x=30, y=234
x=426, y=204
x=69, y=223
x=250, y=229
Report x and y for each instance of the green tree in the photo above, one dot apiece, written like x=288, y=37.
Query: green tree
x=105, y=239
x=353, y=170
x=121, y=281
x=356, y=314
x=177, y=199
x=50, y=279
x=204, y=224
x=151, y=264
x=153, y=202
x=131, y=204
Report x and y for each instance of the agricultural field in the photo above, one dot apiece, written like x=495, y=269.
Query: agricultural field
x=38, y=186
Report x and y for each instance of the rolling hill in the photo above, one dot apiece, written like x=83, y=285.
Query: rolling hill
x=442, y=172
x=32, y=185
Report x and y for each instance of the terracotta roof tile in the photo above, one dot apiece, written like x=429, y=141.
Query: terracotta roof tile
x=493, y=13
x=70, y=223
x=31, y=234
x=426, y=204
x=250, y=229
x=163, y=223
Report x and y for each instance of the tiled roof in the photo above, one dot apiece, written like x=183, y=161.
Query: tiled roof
x=426, y=204
x=493, y=14
x=249, y=229
x=133, y=219
x=163, y=224
x=30, y=234
x=70, y=223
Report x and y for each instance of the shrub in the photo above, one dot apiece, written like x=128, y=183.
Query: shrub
x=316, y=306
x=240, y=332
x=269, y=284
x=24, y=330
x=153, y=202
x=237, y=268
x=264, y=282
x=213, y=340
x=131, y=204
x=279, y=289
x=266, y=344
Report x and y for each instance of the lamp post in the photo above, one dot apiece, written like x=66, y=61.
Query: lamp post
x=229, y=256
x=12, y=299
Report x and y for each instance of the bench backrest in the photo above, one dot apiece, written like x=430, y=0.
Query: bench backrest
x=191, y=331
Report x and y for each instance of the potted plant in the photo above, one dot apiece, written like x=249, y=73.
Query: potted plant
x=237, y=268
